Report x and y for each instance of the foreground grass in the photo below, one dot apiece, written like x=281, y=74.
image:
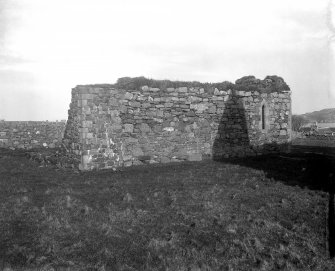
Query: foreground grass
x=190, y=216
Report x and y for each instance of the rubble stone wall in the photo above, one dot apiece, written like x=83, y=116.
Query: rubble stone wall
x=109, y=127
x=31, y=134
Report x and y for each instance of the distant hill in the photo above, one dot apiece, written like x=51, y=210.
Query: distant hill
x=324, y=115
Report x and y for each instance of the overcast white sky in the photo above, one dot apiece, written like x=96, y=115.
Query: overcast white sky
x=49, y=46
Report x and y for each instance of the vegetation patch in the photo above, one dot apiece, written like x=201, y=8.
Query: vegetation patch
x=247, y=83
x=267, y=213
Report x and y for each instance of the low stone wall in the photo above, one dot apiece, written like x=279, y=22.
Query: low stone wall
x=321, y=141
x=109, y=127
x=31, y=134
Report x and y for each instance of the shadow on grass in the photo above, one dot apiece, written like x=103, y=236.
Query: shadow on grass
x=306, y=170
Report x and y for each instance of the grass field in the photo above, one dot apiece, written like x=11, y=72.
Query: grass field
x=264, y=213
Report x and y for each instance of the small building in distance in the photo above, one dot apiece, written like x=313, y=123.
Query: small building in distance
x=318, y=128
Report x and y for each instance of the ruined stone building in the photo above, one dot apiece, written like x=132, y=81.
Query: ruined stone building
x=127, y=123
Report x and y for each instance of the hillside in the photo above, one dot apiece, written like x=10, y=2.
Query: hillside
x=324, y=115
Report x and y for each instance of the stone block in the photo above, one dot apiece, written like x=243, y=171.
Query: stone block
x=86, y=96
x=126, y=157
x=128, y=96
x=137, y=151
x=145, y=128
x=116, y=119
x=52, y=145
x=152, y=161
x=154, y=89
x=158, y=120
x=194, y=157
x=89, y=135
x=135, y=104
x=165, y=159
x=144, y=158
x=146, y=105
x=116, y=127
x=201, y=107
x=137, y=163
x=83, y=130
x=128, y=163
x=93, y=90
x=85, y=159
x=212, y=109
x=157, y=128
x=81, y=103
x=283, y=132
x=87, y=123
x=168, y=129
x=113, y=102
x=182, y=89
x=128, y=128
x=207, y=145
x=86, y=110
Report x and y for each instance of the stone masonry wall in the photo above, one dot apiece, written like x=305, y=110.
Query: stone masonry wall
x=110, y=127
x=31, y=134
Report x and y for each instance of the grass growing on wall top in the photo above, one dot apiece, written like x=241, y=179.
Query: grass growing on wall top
x=248, y=83
x=269, y=84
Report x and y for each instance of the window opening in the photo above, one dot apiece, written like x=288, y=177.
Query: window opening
x=263, y=116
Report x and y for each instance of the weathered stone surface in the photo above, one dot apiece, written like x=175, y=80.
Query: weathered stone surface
x=144, y=128
x=168, y=129
x=31, y=134
x=128, y=128
x=216, y=91
x=137, y=152
x=128, y=96
x=195, y=157
x=182, y=89
x=282, y=132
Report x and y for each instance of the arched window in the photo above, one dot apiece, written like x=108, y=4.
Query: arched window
x=263, y=117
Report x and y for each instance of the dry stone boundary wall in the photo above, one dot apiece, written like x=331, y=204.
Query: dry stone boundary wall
x=31, y=134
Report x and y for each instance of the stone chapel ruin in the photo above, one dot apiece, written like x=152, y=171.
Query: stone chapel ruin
x=138, y=120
